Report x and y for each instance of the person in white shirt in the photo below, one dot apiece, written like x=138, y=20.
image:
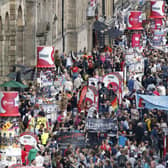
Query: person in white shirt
x=77, y=82
x=39, y=159
x=69, y=62
x=161, y=89
x=137, y=84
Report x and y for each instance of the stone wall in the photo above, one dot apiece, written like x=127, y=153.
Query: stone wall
x=26, y=24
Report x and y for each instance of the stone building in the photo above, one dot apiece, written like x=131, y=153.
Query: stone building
x=26, y=24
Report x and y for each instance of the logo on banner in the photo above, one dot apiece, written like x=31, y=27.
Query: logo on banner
x=135, y=20
x=157, y=9
x=45, y=57
x=9, y=101
x=28, y=138
x=45, y=53
x=111, y=79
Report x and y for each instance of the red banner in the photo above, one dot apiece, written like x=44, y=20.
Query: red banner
x=136, y=40
x=45, y=57
x=9, y=104
x=158, y=23
x=135, y=20
x=157, y=9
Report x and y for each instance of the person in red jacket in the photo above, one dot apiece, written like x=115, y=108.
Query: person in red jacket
x=23, y=155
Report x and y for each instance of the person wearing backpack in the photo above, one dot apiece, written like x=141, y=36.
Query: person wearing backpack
x=122, y=160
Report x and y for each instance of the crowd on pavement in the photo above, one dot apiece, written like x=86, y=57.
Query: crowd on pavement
x=139, y=139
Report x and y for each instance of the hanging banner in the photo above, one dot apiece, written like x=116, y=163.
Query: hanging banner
x=151, y=102
x=136, y=40
x=157, y=9
x=115, y=80
x=45, y=57
x=88, y=98
x=9, y=104
x=112, y=79
x=135, y=20
x=101, y=125
x=28, y=138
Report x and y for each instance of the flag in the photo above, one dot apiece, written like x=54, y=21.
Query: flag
x=114, y=104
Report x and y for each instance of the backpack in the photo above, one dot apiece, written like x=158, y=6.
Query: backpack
x=122, y=160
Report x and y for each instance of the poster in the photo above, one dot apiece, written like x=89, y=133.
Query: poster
x=134, y=20
x=88, y=98
x=136, y=37
x=157, y=9
x=9, y=104
x=45, y=57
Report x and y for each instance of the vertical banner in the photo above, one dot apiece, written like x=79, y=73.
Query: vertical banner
x=134, y=20
x=157, y=9
x=45, y=57
x=9, y=104
x=136, y=40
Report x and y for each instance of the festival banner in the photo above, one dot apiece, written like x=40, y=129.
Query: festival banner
x=9, y=104
x=101, y=125
x=73, y=138
x=111, y=79
x=151, y=102
x=115, y=79
x=136, y=40
x=157, y=9
x=28, y=138
x=45, y=57
x=134, y=20
x=88, y=98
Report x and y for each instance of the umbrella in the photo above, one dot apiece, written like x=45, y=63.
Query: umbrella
x=13, y=84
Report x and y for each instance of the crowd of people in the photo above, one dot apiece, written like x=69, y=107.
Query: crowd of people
x=139, y=139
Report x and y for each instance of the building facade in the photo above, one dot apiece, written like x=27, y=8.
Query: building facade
x=26, y=24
